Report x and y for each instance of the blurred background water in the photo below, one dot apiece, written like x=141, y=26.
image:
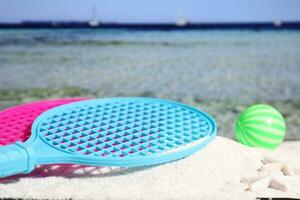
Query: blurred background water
x=221, y=72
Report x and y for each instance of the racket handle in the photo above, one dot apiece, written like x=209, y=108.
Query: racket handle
x=15, y=159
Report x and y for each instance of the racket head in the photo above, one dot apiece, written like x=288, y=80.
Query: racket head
x=15, y=122
x=124, y=131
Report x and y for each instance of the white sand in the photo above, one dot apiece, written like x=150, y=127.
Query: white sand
x=222, y=170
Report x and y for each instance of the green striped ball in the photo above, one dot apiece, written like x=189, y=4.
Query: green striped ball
x=260, y=126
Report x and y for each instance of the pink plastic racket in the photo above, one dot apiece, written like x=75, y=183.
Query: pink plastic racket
x=15, y=122
x=15, y=125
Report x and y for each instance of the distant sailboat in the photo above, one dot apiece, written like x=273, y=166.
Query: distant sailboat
x=181, y=21
x=94, y=22
x=278, y=23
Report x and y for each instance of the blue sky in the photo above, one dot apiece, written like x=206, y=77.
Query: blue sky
x=150, y=10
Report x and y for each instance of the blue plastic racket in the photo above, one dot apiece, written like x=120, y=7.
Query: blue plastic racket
x=111, y=132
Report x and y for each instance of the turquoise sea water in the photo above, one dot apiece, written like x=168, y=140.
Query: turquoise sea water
x=208, y=64
x=205, y=66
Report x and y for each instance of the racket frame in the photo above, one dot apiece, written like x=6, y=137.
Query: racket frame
x=36, y=151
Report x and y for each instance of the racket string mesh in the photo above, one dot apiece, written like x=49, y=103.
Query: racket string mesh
x=16, y=125
x=121, y=129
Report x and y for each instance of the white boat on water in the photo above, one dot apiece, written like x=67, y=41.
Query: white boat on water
x=94, y=23
x=181, y=22
x=278, y=23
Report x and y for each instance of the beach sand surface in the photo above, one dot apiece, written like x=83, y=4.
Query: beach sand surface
x=224, y=169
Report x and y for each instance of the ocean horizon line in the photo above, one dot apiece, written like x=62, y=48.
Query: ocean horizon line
x=179, y=25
